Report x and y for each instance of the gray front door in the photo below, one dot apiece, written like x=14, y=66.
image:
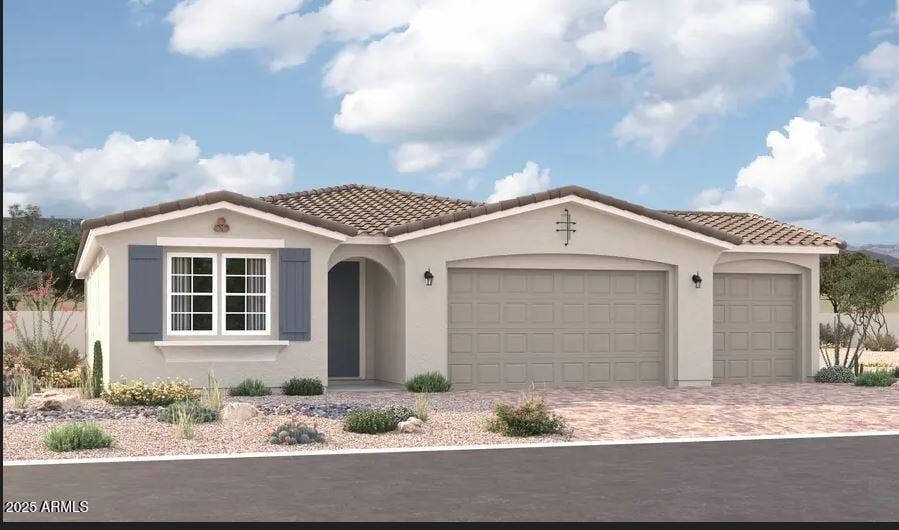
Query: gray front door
x=343, y=320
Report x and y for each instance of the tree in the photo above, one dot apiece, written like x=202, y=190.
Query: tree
x=35, y=249
x=857, y=287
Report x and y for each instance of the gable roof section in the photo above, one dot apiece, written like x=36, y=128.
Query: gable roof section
x=557, y=193
x=757, y=229
x=207, y=199
x=370, y=209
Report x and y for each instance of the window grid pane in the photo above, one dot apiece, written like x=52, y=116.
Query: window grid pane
x=190, y=276
x=245, y=294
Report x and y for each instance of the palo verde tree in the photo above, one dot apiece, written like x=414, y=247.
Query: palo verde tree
x=858, y=288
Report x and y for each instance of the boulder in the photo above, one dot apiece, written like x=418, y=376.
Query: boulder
x=412, y=425
x=239, y=412
x=54, y=400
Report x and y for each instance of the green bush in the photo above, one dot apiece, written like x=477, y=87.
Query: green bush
x=875, y=378
x=429, y=382
x=881, y=342
x=77, y=436
x=250, y=387
x=835, y=374
x=400, y=412
x=896, y=372
x=303, y=387
x=199, y=413
x=530, y=418
x=293, y=433
x=97, y=370
x=370, y=421
x=160, y=394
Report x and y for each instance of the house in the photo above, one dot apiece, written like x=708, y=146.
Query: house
x=566, y=287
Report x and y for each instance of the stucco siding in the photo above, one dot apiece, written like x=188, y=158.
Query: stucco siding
x=272, y=364
x=531, y=238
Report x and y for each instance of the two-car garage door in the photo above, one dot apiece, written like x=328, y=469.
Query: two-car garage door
x=509, y=328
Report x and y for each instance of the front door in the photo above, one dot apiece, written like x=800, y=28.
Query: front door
x=343, y=320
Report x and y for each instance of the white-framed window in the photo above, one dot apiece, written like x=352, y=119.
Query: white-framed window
x=246, y=293
x=191, y=297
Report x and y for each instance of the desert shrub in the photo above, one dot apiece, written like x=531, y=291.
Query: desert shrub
x=422, y=410
x=429, y=382
x=250, y=387
x=293, y=433
x=97, y=370
x=400, y=412
x=76, y=436
x=529, y=418
x=835, y=374
x=199, y=413
x=62, y=379
x=184, y=423
x=20, y=387
x=875, y=378
x=161, y=393
x=303, y=387
x=211, y=396
x=41, y=356
x=827, y=335
x=370, y=421
x=896, y=372
x=881, y=342
x=86, y=383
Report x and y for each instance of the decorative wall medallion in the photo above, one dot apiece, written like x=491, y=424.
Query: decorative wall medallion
x=566, y=225
x=221, y=225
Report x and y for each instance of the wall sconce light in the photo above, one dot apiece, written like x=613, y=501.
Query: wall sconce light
x=429, y=277
x=697, y=280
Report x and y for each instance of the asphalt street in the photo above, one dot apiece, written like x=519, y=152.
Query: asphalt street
x=848, y=478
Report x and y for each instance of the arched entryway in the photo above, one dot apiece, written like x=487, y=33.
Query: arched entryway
x=364, y=322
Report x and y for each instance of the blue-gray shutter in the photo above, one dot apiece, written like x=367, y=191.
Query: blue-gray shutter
x=145, y=293
x=294, y=294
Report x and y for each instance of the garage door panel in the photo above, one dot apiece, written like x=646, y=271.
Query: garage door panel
x=755, y=336
x=567, y=328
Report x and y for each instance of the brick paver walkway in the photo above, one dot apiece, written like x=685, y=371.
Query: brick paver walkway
x=786, y=408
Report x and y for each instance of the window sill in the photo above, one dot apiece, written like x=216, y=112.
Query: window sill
x=220, y=350
x=218, y=342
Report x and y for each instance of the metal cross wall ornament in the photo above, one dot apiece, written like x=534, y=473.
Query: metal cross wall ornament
x=566, y=224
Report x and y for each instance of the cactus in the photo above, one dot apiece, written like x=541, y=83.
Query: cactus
x=97, y=371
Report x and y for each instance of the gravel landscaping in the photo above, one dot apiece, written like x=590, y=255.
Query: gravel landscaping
x=459, y=418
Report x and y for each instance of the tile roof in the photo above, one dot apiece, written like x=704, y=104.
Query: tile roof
x=564, y=191
x=355, y=208
x=369, y=209
x=757, y=229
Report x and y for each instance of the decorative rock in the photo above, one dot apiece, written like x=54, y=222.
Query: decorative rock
x=53, y=400
x=239, y=412
x=412, y=426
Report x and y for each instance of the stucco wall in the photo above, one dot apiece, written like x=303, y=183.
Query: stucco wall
x=598, y=234
x=97, y=310
x=231, y=364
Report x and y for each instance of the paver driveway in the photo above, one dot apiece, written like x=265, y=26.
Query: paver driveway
x=727, y=410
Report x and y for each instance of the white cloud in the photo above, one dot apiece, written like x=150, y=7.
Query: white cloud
x=18, y=124
x=882, y=64
x=447, y=82
x=529, y=180
x=836, y=142
x=896, y=14
x=702, y=59
x=126, y=173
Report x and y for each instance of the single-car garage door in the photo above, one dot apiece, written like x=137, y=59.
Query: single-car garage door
x=756, y=336
x=509, y=328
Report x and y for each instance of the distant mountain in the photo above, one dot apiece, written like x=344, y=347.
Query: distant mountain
x=888, y=254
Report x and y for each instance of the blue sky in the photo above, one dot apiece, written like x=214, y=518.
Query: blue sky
x=93, y=69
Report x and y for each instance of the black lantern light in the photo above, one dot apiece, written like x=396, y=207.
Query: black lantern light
x=429, y=277
x=697, y=280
